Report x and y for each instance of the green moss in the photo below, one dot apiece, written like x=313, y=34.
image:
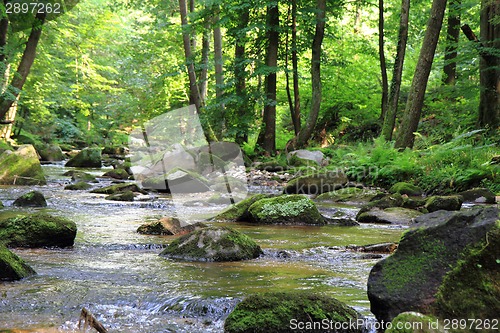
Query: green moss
x=239, y=211
x=472, y=288
x=406, y=188
x=117, y=188
x=213, y=244
x=286, y=209
x=274, y=312
x=413, y=322
x=21, y=167
x=12, y=267
x=117, y=174
x=37, y=230
x=316, y=183
x=121, y=196
x=434, y=203
x=349, y=194
x=80, y=176
x=80, y=186
x=87, y=158
x=31, y=199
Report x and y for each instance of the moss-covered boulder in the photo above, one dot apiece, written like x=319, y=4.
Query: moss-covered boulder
x=387, y=201
x=286, y=209
x=316, y=183
x=239, y=211
x=21, y=167
x=452, y=202
x=213, y=244
x=478, y=195
x=472, y=288
x=12, y=267
x=50, y=153
x=120, y=174
x=79, y=186
x=406, y=188
x=393, y=215
x=31, y=199
x=37, y=230
x=409, y=279
x=414, y=322
x=80, y=176
x=87, y=158
x=118, y=188
x=121, y=196
x=304, y=157
x=297, y=311
x=168, y=226
x=1, y=205
x=352, y=195
x=177, y=180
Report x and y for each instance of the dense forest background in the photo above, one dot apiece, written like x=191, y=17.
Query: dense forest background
x=269, y=75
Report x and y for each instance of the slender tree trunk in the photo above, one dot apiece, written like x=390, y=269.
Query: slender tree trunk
x=489, y=100
x=383, y=65
x=4, y=28
x=192, y=8
x=268, y=139
x=295, y=67
x=409, y=124
x=194, y=93
x=24, y=65
x=205, y=56
x=453, y=33
x=219, y=69
x=397, y=72
x=306, y=132
x=240, y=77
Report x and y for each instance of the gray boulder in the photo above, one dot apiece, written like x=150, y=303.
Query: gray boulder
x=394, y=215
x=50, y=153
x=87, y=158
x=409, y=279
x=452, y=202
x=304, y=157
x=31, y=199
x=317, y=183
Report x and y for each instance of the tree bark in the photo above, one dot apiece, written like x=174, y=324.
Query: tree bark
x=205, y=56
x=4, y=28
x=268, y=139
x=219, y=68
x=489, y=99
x=383, y=65
x=240, y=77
x=24, y=65
x=451, y=53
x=409, y=124
x=397, y=72
x=295, y=68
x=306, y=131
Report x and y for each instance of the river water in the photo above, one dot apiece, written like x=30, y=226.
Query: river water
x=117, y=274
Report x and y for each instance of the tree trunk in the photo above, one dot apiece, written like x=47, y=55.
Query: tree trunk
x=489, y=103
x=268, y=139
x=409, y=124
x=306, y=131
x=397, y=72
x=205, y=56
x=219, y=69
x=453, y=33
x=24, y=65
x=4, y=28
x=240, y=77
x=383, y=65
x=295, y=68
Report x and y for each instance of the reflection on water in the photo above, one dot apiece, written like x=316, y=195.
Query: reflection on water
x=118, y=275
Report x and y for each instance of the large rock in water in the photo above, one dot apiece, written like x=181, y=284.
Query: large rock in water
x=168, y=226
x=21, y=167
x=213, y=244
x=37, y=230
x=316, y=183
x=12, y=267
x=177, y=181
x=239, y=210
x=393, y=215
x=409, y=279
x=31, y=199
x=50, y=153
x=286, y=209
x=296, y=311
x=87, y=158
x=305, y=157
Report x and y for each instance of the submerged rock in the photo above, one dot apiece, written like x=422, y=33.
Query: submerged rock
x=87, y=158
x=375, y=248
x=118, y=188
x=177, y=180
x=31, y=199
x=21, y=167
x=316, y=183
x=286, y=209
x=12, y=267
x=80, y=186
x=213, y=244
x=239, y=211
x=168, y=226
x=37, y=230
x=478, y=195
x=409, y=279
x=393, y=215
x=406, y=188
x=434, y=203
x=80, y=176
x=121, y=196
x=281, y=312
x=121, y=174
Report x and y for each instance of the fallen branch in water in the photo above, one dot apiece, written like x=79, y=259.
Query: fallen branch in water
x=89, y=320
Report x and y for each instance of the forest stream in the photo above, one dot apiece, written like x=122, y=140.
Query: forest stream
x=118, y=275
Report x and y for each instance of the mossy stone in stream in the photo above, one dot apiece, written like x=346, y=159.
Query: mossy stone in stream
x=37, y=230
x=281, y=312
x=87, y=158
x=50, y=152
x=117, y=174
x=479, y=195
x=452, y=202
x=21, y=167
x=213, y=244
x=317, y=183
x=118, y=188
x=80, y=176
x=406, y=188
x=239, y=211
x=286, y=209
x=414, y=322
x=1, y=205
x=12, y=267
x=121, y=196
x=31, y=199
x=349, y=194
x=80, y=186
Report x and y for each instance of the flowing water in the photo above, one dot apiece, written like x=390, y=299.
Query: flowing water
x=117, y=274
